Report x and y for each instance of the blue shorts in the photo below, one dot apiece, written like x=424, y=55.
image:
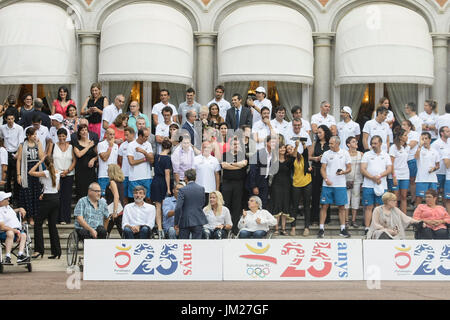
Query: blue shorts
x=441, y=181
x=402, y=185
x=412, y=165
x=103, y=182
x=447, y=189
x=336, y=196
x=125, y=188
x=3, y=235
x=369, y=198
x=146, y=183
x=422, y=187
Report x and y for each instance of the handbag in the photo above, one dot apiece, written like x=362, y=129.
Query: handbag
x=350, y=184
x=111, y=208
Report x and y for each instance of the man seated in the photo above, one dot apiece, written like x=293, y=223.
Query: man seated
x=138, y=217
x=11, y=228
x=91, y=214
x=168, y=209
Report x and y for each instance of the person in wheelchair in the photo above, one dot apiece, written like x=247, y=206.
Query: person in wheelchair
x=435, y=218
x=11, y=229
x=168, y=212
x=219, y=218
x=91, y=214
x=138, y=217
x=255, y=222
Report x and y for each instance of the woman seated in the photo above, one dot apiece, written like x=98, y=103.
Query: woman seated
x=389, y=222
x=255, y=222
x=219, y=218
x=434, y=218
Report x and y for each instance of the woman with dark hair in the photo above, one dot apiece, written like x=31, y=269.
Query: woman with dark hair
x=93, y=108
x=224, y=143
x=161, y=186
x=429, y=117
x=214, y=116
x=413, y=143
x=49, y=204
x=86, y=154
x=28, y=154
x=435, y=218
x=174, y=137
x=119, y=128
x=71, y=119
x=62, y=102
x=27, y=106
x=320, y=145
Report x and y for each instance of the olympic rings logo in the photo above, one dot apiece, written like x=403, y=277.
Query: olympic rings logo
x=258, y=272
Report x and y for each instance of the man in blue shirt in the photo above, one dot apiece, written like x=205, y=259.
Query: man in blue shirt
x=168, y=208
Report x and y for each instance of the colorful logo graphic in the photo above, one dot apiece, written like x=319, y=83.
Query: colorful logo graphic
x=403, y=253
x=122, y=253
x=259, y=253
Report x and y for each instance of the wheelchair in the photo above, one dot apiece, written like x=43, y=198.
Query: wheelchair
x=417, y=228
x=73, y=249
x=268, y=235
x=27, y=249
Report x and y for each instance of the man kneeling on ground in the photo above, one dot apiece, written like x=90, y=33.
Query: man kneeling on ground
x=138, y=217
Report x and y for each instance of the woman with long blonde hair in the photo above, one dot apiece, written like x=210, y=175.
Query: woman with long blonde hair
x=218, y=216
x=115, y=195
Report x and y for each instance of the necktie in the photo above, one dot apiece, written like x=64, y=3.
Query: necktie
x=237, y=119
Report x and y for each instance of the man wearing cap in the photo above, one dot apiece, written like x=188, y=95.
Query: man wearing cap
x=57, y=123
x=223, y=104
x=11, y=228
x=323, y=118
x=261, y=101
x=347, y=127
x=376, y=165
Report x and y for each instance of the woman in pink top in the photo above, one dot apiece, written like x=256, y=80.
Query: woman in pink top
x=61, y=103
x=434, y=218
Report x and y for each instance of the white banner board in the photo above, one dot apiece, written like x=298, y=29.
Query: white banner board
x=152, y=260
x=293, y=259
x=407, y=260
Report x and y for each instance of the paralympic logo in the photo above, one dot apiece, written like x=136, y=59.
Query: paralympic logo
x=123, y=253
x=403, y=253
x=259, y=253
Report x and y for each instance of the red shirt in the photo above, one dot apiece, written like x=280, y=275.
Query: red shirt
x=424, y=212
x=60, y=109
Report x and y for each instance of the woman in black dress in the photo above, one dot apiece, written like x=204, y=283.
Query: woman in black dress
x=320, y=145
x=86, y=153
x=161, y=185
x=93, y=108
x=28, y=155
x=115, y=194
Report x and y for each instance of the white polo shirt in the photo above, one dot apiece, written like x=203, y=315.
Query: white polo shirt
x=162, y=130
x=123, y=152
x=157, y=109
x=281, y=128
x=441, y=148
x=400, y=162
x=103, y=165
x=417, y=122
x=428, y=159
x=302, y=134
x=413, y=136
x=206, y=169
x=376, y=164
x=53, y=134
x=12, y=136
x=9, y=217
x=223, y=104
x=142, y=171
x=335, y=161
x=319, y=120
x=374, y=128
x=446, y=155
x=443, y=121
x=260, y=104
x=429, y=119
x=3, y=156
x=110, y=114
x=262, y=130
x=134, y=215
x=42, y=135
x=345, y=130
x=390, y=117
x=305, y=125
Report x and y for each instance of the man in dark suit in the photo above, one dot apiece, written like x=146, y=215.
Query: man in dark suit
x=189, y=126
x=26, y=121
x=238, y=115
x=189, y=216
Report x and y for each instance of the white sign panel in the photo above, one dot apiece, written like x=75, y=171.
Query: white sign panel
x=152, y=260
x=407, y=260
x=293, y=259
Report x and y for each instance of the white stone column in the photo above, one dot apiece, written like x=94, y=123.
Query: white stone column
x=439, y=88
x=322, y=69
x=205, y=43
x=89, y=42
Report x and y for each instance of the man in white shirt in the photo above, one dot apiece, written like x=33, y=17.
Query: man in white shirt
x=164, y=95
x=188, y=105
x=429, y=118
x=376, y=165
x=427, y=165
x=108, y=152
x=122, y=160
x=347, y=127
x=279, y=124
x=138, y=217
x=446, y=158
x=440, y=146
x=444, y=120
x=377, y=127
x=256, y=105
x=323, y=118
x=223, y=104
x=336, y=163
x=13, y=135
x=57, y=123
x=208, y=170
x=162, y=129
x=140, y=156
x=262, y=128
x=298, y=133
x=111, y=112
x=297, y=114
x=43, y=135
x=410, y=110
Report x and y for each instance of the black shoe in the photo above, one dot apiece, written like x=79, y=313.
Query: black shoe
x=321, y=233
x=344, y=233
x=22, y=258
x=55, y=256
x=37, y=256
x=365, y=232
x=7, y=261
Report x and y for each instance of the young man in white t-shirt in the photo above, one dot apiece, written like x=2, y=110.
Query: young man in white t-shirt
x=223, y=104
x=336, y=163
x=377, y=127
x=411, y=112
x=208, y=169
x=440, y=146
x=108, y=152
x=427, y=165
x=297, y=114
x=140, y=156
x=157, y=108
x=162, y=129
x=262, y=128
x=123, y=160
x=376, y=165
x=280, y=125
x=347, y=127
x=444, y=120
x=257, y=105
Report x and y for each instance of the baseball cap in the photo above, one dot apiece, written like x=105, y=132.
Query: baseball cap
x=4, y=195
x=348, y=110
x=261, y=89
x=57, y=117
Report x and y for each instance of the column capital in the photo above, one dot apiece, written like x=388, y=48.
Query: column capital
x=440, y=39
x=88, y=37
x=323, y=39
x=205, y=38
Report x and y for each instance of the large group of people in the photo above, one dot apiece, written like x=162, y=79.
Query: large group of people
x=206, y=171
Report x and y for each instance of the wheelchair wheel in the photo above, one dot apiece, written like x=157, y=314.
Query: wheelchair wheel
x=269, y=234
x=1, y=268
x=29, y=267
x=72, y=249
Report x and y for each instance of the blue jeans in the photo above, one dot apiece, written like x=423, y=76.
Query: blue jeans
x=144, y=233
x=195, y=232
x=259, y=234
x=170, y=233
x=214, y=234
